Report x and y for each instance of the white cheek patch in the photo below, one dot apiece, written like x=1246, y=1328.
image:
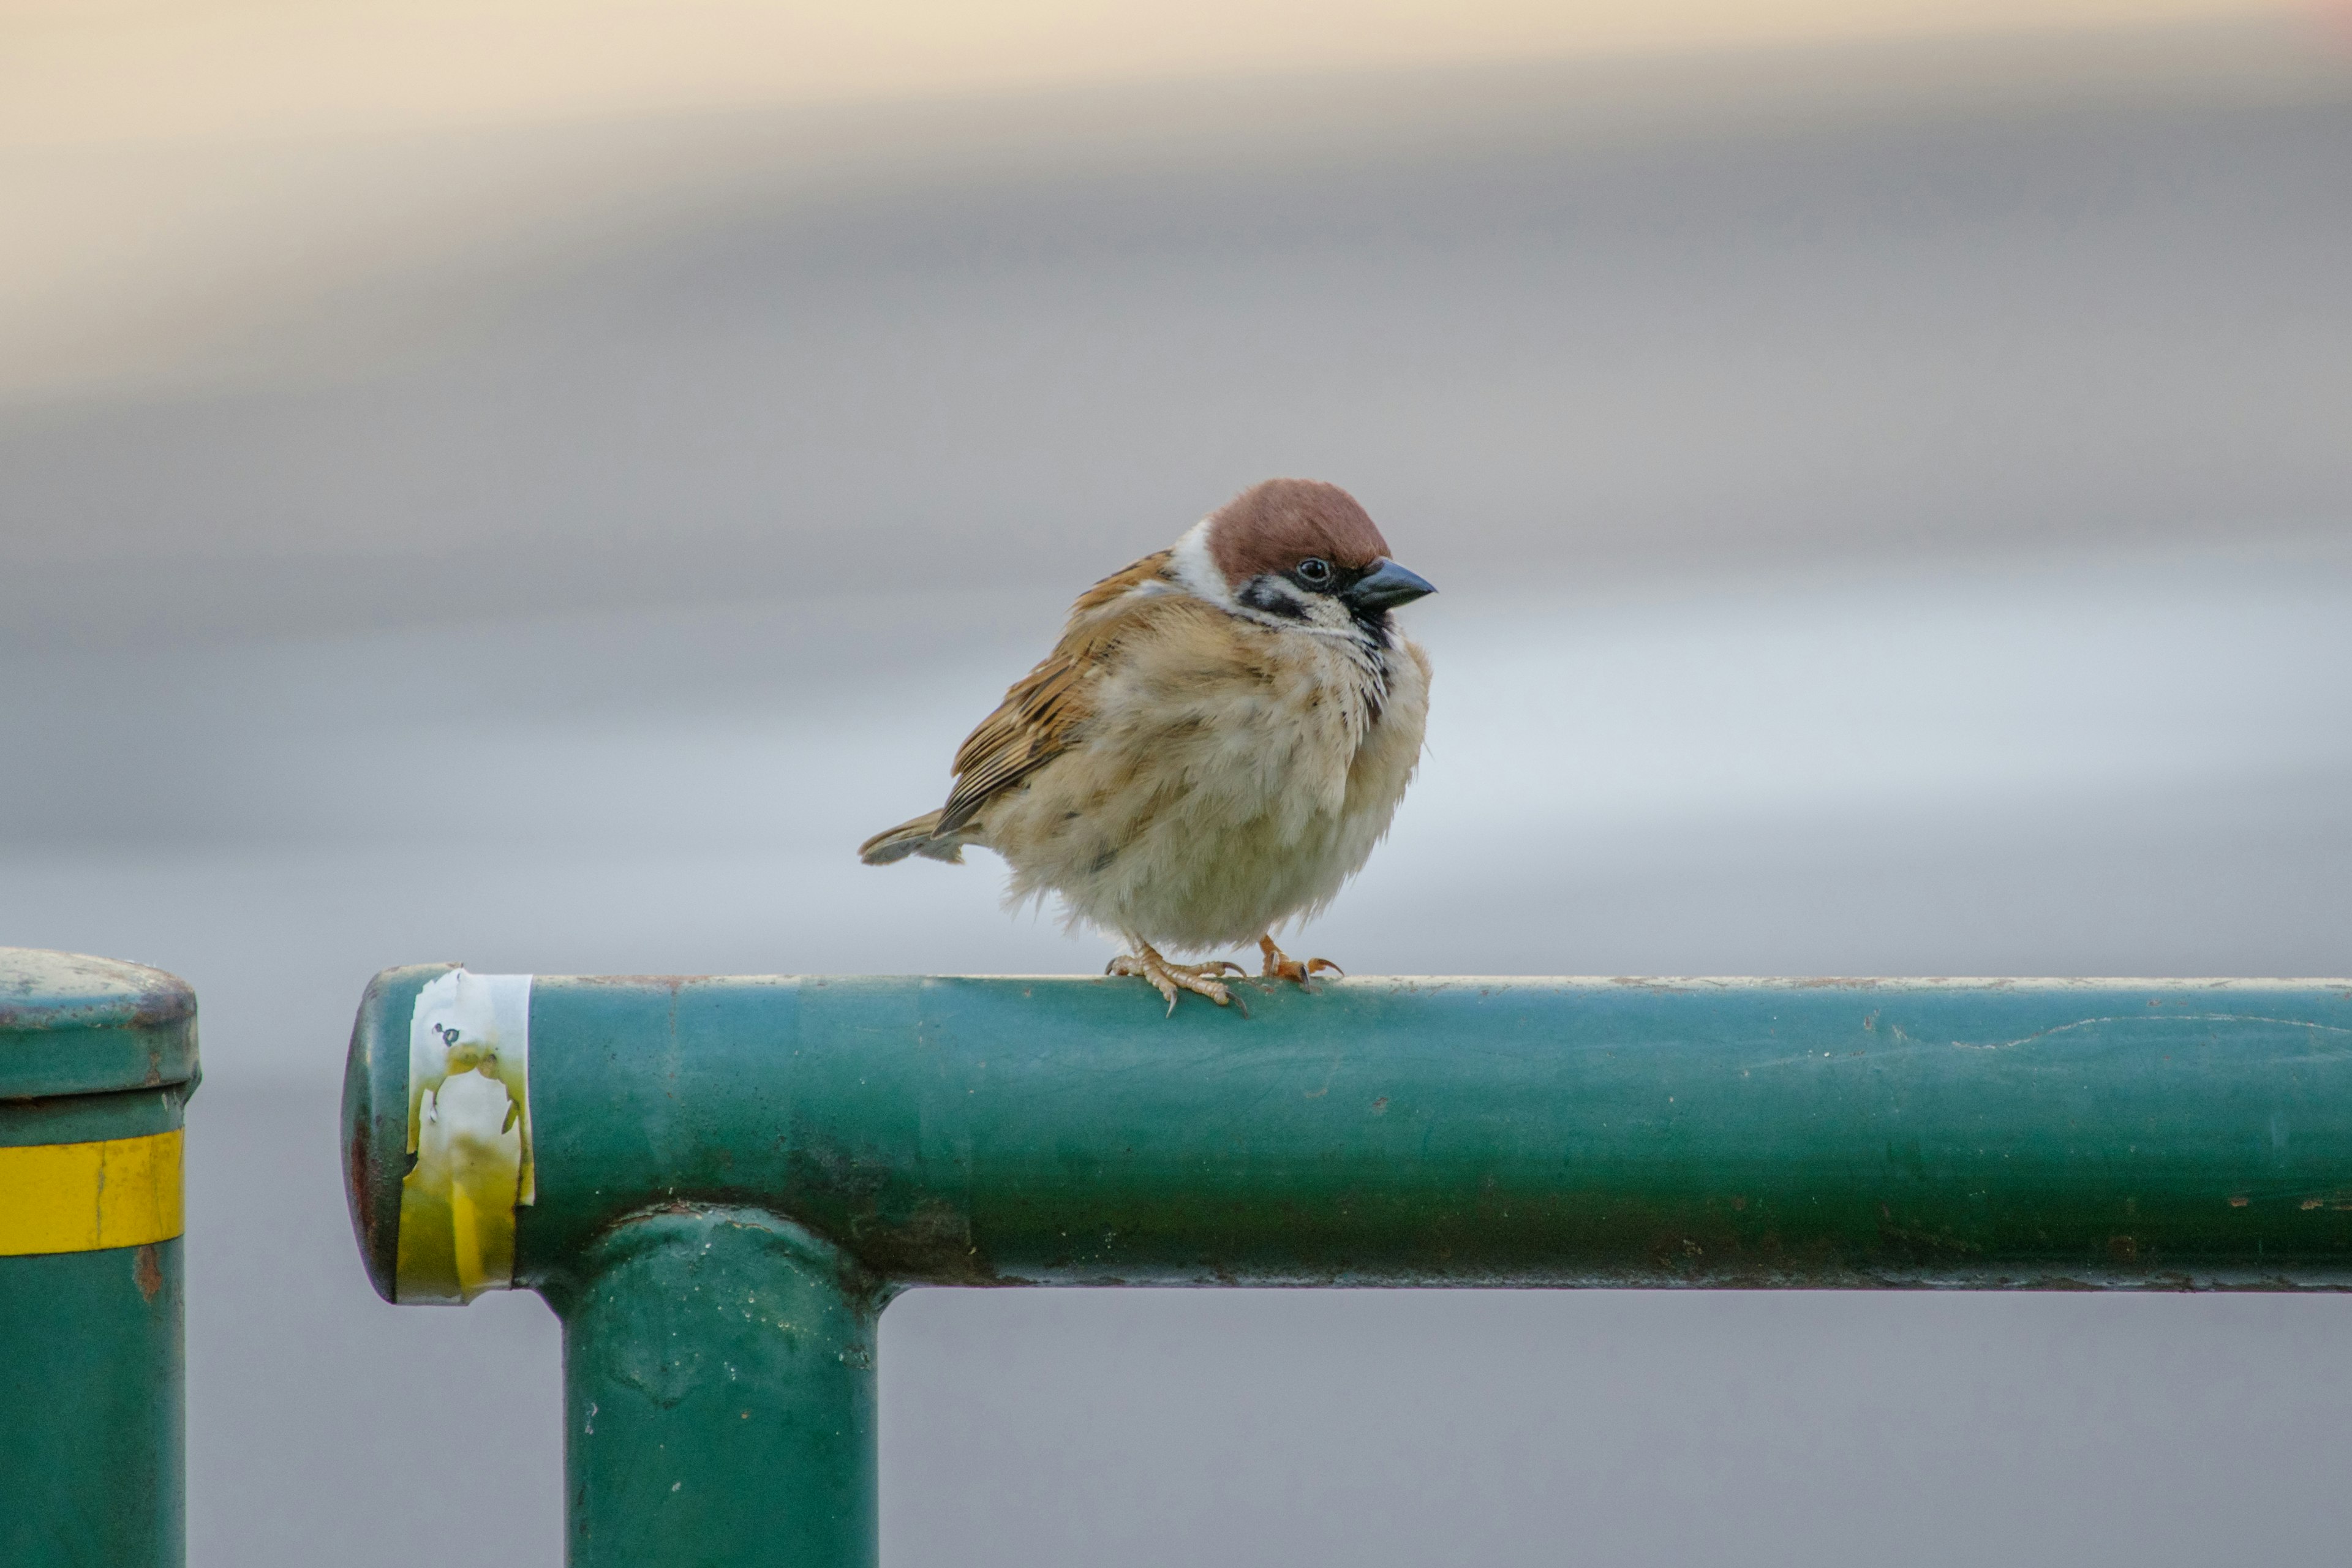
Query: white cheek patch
x=1197, y=569
x=469, y=1130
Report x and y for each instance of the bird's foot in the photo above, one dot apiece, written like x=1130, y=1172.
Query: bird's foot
x=1168, y=979
x=1280, y=965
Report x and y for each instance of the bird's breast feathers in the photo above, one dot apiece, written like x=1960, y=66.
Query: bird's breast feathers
x=1177, y=769
x=1264, y=719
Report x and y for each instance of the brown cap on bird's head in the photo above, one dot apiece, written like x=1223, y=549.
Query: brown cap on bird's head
x=1271, y=527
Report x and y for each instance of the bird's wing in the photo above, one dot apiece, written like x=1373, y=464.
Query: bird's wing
x=1038, y=717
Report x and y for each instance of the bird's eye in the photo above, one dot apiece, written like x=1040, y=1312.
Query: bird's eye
x=1315, y=571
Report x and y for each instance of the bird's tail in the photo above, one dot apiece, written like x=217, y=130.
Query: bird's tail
x=920, y=836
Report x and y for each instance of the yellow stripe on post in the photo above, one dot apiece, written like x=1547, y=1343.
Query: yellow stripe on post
x=80, y=1197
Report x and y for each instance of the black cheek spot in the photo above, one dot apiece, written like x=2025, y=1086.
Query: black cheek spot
x=1102, y=861
x=1261, y=595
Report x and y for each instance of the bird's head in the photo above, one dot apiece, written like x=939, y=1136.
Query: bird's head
x=1297, y=551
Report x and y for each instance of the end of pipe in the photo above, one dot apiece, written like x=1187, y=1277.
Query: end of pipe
x=375, y=1117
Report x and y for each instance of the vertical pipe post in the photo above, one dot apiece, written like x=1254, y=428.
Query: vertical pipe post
x=718, y=1392
x=97, y=1060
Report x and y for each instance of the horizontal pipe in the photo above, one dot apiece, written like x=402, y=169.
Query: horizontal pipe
x=2157, y=1134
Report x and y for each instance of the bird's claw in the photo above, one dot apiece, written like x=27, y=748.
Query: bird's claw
x=1280, y=965
x=1169, y=979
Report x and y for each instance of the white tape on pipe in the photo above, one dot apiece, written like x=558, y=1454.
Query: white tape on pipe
x=469, y=1130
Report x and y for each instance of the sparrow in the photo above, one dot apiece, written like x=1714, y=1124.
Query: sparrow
x=1213, y=747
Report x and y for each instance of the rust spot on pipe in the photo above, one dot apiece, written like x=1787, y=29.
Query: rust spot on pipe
x=164, y=1004
x=359, y=1175
x=148, y=1270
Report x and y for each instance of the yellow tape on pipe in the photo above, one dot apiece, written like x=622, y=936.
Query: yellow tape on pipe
x=470, y=1128
x=79, y=1197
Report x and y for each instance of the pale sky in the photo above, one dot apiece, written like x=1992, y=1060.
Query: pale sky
x=176, y=177
x=86, y=70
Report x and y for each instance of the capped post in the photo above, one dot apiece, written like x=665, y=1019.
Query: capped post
x=96, y=1061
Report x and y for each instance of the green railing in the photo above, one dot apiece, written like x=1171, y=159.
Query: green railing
x=96, y=1061
x=718, y=1183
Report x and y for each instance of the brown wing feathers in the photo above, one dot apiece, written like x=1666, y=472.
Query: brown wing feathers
x=1033, y=723
x=1030, y=727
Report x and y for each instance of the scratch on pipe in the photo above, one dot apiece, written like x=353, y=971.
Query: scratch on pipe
x=2168, y=1018
x=1904, y=1044
x=1329, y=1073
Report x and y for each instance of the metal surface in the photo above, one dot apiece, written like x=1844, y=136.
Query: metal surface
x=2166, y=1134
x=718, y=1396
x=97, y=1060
x=75, y=1025
x=732, y=1172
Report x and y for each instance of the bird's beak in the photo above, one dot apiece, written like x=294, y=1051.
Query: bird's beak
x=1385, y=586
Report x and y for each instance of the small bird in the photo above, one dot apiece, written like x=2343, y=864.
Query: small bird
x=1213, y=747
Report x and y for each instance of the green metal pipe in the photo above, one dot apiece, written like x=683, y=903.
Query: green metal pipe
x=719, y=1393
x=97, y=1060
x=2165, y=1134
x=713, y=1161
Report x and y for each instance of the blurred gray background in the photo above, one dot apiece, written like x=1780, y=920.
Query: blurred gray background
x=1893, y=511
